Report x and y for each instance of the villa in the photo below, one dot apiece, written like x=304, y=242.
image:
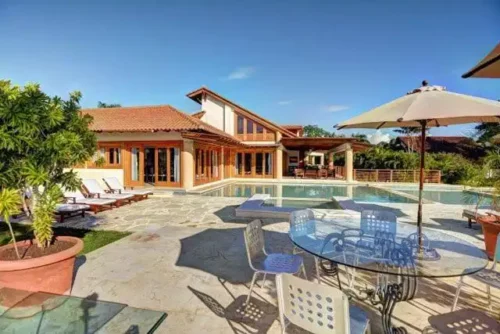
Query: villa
x=164, y=147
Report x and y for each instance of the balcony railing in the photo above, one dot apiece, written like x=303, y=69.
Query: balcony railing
x=396, y=175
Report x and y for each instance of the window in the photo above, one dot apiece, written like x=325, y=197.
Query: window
x=259, y=163
x=174, y=165
x=260, y=128
x=114, y=154
x=248, y=163
x=239, y=164
x=240, y=125
x=249, y=126
x=268, y=166
x=135, y=167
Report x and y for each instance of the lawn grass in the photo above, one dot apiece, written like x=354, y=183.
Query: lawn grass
x=92, y=239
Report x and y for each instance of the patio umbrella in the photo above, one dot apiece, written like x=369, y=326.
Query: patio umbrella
x=489, y=67
x=425, y=107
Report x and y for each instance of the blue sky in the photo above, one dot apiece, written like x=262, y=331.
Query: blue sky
x=305, y=62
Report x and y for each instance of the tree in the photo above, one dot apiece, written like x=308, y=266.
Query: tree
x=41, y=139
x=486, y=131
x=316, y=131
x=107, y=105
x=410, y=132
x=360, y=137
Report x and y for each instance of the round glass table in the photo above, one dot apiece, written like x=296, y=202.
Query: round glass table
x=379, y=244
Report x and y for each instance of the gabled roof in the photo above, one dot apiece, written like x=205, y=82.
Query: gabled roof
x=199, y=114
x=151, y=119
x=197, y=96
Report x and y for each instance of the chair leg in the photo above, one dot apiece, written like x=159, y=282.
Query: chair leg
x=457, y=294
x=488, y=291
x=304, y=270
x=316, y=265
x=251, y=287
x=263, y=281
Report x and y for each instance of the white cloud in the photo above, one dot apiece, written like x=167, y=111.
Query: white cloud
x=378, y=137
x=241, y=73
x=336, y=107
x=284, y=103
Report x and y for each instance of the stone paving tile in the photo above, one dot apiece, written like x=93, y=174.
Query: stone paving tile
x=188, y=259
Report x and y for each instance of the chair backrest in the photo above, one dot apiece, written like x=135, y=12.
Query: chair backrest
x=113, y=183
x=254, y=242
x=379, y=222
x=77, y=194
x=302, y=222
x=92, y=186
x=313, y=307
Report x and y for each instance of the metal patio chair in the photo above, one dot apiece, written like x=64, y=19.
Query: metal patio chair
x=490, y=277
x=263, y=263
x=303, y=225
x=317, y=308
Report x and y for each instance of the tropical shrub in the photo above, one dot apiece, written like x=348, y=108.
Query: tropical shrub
x=41, y=138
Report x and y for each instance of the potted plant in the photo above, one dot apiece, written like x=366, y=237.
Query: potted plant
x=41, y=138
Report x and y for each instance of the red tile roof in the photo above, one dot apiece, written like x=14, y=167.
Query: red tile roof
x=149, y=119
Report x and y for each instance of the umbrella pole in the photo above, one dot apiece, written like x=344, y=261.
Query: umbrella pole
x=421, y=183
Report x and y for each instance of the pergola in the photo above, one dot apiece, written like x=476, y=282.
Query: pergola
x=330, y=145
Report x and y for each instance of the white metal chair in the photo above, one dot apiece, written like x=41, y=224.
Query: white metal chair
x=262, y=262
x=490, y=277
x=317, y=308
x=303, y=225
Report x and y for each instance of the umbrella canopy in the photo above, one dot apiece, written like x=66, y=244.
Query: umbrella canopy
x=433, y=104
x=489, y=67
x=427, y=106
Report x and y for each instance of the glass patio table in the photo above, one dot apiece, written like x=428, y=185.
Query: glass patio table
x=389, y=250
x=39, y=312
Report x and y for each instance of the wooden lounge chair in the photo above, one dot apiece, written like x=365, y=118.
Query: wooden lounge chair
x=473, y=215
x=116, y=187
x=96, y=204
x=94, y=189
x=298, y=172
x=64, y=210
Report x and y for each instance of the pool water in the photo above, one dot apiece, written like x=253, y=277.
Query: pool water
x=302, y=204
x=454, y=197
x=357, y=193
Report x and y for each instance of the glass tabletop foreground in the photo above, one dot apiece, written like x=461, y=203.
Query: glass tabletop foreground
x=39, y=312
x=386, y=247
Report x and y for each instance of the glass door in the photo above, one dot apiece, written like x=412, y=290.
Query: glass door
x=133, y=166
x=150, y=165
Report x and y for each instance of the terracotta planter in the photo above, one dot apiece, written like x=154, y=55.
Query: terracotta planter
x=491, y=228
x=51, y=273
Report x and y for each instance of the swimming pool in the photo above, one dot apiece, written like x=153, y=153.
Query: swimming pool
x=290, y=191
x=447, y=195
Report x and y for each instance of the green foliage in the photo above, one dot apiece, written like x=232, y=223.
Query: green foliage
x=107, y=105
x=486, y=131
x=316, y=131
x=10, y=201
x=41, y=137
x=454, y=167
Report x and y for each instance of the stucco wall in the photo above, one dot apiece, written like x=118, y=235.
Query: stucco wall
x=98, y=174
x=214, y=112
x=140, y=136
x=218, y=114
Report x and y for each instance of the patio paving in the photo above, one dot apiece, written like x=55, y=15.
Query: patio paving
x=188, y=259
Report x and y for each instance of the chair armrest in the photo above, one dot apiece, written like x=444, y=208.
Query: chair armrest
x=70, y=198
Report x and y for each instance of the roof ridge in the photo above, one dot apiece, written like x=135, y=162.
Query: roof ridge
x=128, y=107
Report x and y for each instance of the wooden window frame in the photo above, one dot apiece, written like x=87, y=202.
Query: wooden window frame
x=266, y=135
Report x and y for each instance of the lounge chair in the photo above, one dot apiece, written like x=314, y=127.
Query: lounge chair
x=298, y=172
x=95, y=204
x=94, y=189
x=473, y=215
x=64, y=210
x=116, y=187
x=311, y=173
